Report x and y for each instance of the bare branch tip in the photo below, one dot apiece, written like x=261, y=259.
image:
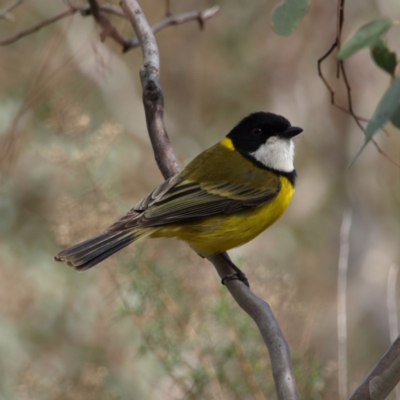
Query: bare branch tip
x=210, y=12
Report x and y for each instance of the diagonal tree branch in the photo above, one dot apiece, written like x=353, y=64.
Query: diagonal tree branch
x=66, y=13
x=153, y=103
x=261, y=313
x=383, y=378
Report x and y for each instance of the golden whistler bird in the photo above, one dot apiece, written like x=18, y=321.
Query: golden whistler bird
x=224, y=198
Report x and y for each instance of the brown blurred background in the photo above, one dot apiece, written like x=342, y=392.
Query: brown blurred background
x=153, y=322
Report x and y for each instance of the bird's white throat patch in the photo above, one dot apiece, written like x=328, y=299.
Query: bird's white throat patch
x=276, y=153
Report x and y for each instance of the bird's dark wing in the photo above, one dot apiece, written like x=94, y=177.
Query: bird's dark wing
x=131, y=218
x=185, y=200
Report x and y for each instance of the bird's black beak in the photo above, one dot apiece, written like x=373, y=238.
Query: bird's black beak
x=291, y=132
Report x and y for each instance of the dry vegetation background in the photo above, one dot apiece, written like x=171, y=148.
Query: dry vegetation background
x=153, y=322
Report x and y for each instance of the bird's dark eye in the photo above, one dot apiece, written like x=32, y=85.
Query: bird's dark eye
x=256, y=131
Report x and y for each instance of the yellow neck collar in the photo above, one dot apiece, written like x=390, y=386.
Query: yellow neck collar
x=226, y=142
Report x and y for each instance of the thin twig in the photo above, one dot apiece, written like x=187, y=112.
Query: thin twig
x=383, y=378
x=35, y=28
x=357, y=119
x=321, y=75
x=341, y=68
x=386, y=155
x=5, y=12
x=107, y=28
x=200, y=16
x=254, y=306
x=342, y=304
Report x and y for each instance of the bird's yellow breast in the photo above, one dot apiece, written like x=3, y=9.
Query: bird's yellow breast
x=219, y=233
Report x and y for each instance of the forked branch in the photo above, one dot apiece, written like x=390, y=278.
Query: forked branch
x=99, y=11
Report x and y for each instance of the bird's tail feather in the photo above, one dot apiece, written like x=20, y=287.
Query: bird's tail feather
x=87, y=254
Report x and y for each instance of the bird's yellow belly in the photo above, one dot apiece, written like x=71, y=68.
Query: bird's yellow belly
x=223, y=232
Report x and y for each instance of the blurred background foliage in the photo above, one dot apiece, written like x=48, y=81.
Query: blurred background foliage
x=153, y=321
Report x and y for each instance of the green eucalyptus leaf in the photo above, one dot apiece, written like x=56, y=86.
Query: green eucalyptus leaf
x=366, y=36
x=385, y=110
x=287, y=16
x=395, y=118
x=383, y=57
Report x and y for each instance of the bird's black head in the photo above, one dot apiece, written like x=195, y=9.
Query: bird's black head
x=254, y=130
